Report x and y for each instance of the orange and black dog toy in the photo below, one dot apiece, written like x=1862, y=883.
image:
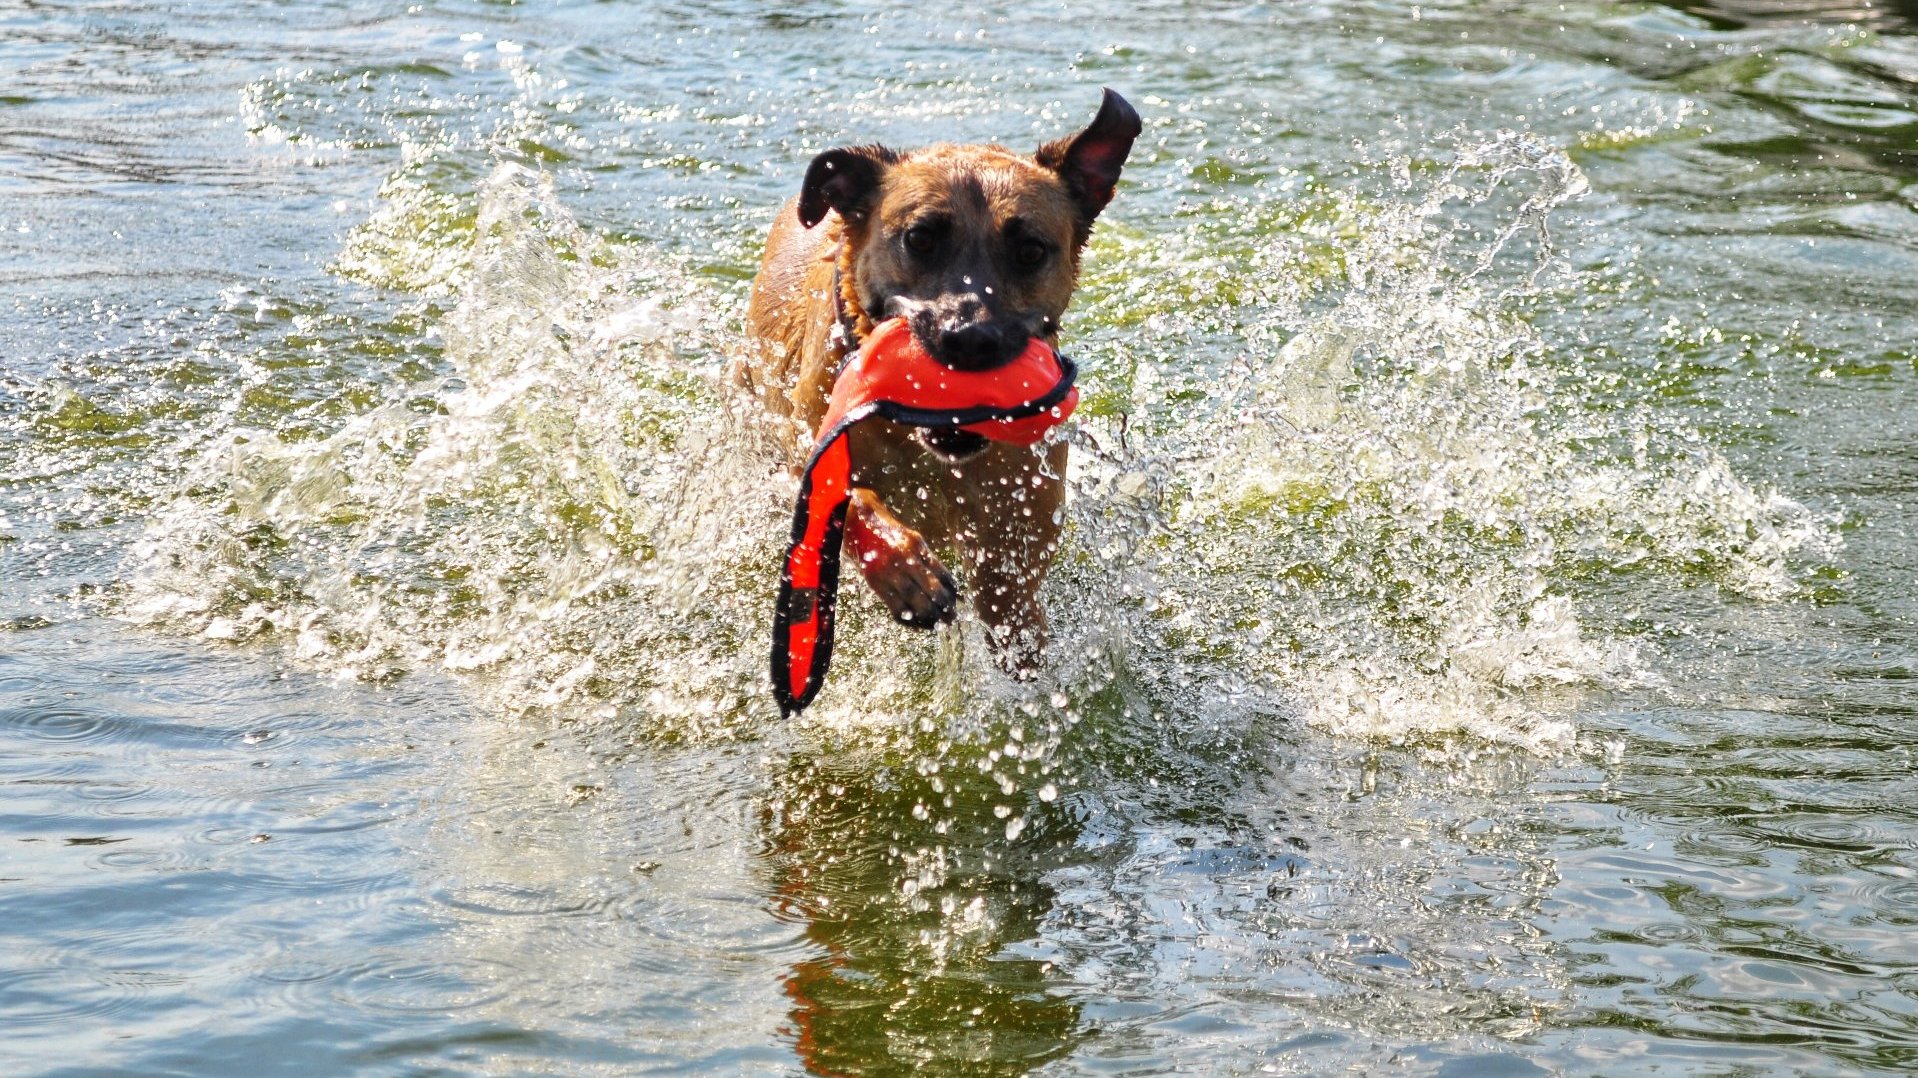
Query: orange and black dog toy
x=893, y=378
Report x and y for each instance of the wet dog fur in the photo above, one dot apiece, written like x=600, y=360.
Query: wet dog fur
x=978, y=248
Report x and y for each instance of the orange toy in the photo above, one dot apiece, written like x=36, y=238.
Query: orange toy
x=891, y=377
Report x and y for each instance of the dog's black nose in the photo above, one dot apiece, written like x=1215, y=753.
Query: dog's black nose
x=979, y=346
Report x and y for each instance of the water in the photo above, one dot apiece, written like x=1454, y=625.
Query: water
x=1484, y=639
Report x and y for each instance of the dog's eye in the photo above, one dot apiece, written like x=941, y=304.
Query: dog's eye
x=1031, y=253
x=921, y=240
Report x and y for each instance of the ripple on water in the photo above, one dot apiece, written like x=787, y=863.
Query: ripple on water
x=111, y=792
x=513, y=900
x=63, y=725
x=19, y=684
x=52, y=774
x=71, y=725
x=340, y=893
x=402, y=984
x=374, y=816
x=302, y=982
x=147, y=860
x=299, y=971
x=1728, y=846
x=228, y=836
x=1829, y=832
x=1666, y=932
x=67, y=990
x=1897, y=901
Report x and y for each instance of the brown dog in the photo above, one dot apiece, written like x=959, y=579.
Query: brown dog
x=978, y=249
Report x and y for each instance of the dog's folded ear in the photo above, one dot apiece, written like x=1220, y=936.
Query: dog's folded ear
x=1089, y=162
x=844, y=180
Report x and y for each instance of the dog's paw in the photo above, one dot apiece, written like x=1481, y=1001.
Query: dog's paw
x=915, y=587
x=1005, y=593
x=901, y=568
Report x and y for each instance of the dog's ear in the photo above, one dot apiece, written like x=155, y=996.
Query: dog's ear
x=1089, y=161
x=843, y=180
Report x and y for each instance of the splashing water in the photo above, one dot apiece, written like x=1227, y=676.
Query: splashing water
x=535, y=516
x=1384, y=520
x=1388, y=514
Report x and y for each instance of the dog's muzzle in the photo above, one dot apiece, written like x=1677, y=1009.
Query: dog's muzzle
x=976, y=346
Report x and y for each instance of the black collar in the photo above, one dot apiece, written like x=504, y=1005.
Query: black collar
x=848, y=326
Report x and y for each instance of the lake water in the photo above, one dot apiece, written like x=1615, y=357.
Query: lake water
x=1485, y=640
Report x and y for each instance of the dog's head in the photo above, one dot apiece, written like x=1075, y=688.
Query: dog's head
x=976, y=247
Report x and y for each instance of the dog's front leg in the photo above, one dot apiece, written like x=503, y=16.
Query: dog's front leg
x=1006, y=596
x=898, y=564
x=1008, y=555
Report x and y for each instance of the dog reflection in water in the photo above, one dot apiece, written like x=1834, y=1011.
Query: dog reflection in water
x=912, y=906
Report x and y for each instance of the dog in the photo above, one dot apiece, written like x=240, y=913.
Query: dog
x=978, y=248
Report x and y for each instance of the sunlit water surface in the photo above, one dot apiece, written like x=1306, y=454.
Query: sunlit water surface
x=1484, y=644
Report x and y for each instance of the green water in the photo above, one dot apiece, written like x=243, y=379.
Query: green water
x=1484, y=641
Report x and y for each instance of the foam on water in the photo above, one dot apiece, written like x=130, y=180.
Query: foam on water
x=1382, y=519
